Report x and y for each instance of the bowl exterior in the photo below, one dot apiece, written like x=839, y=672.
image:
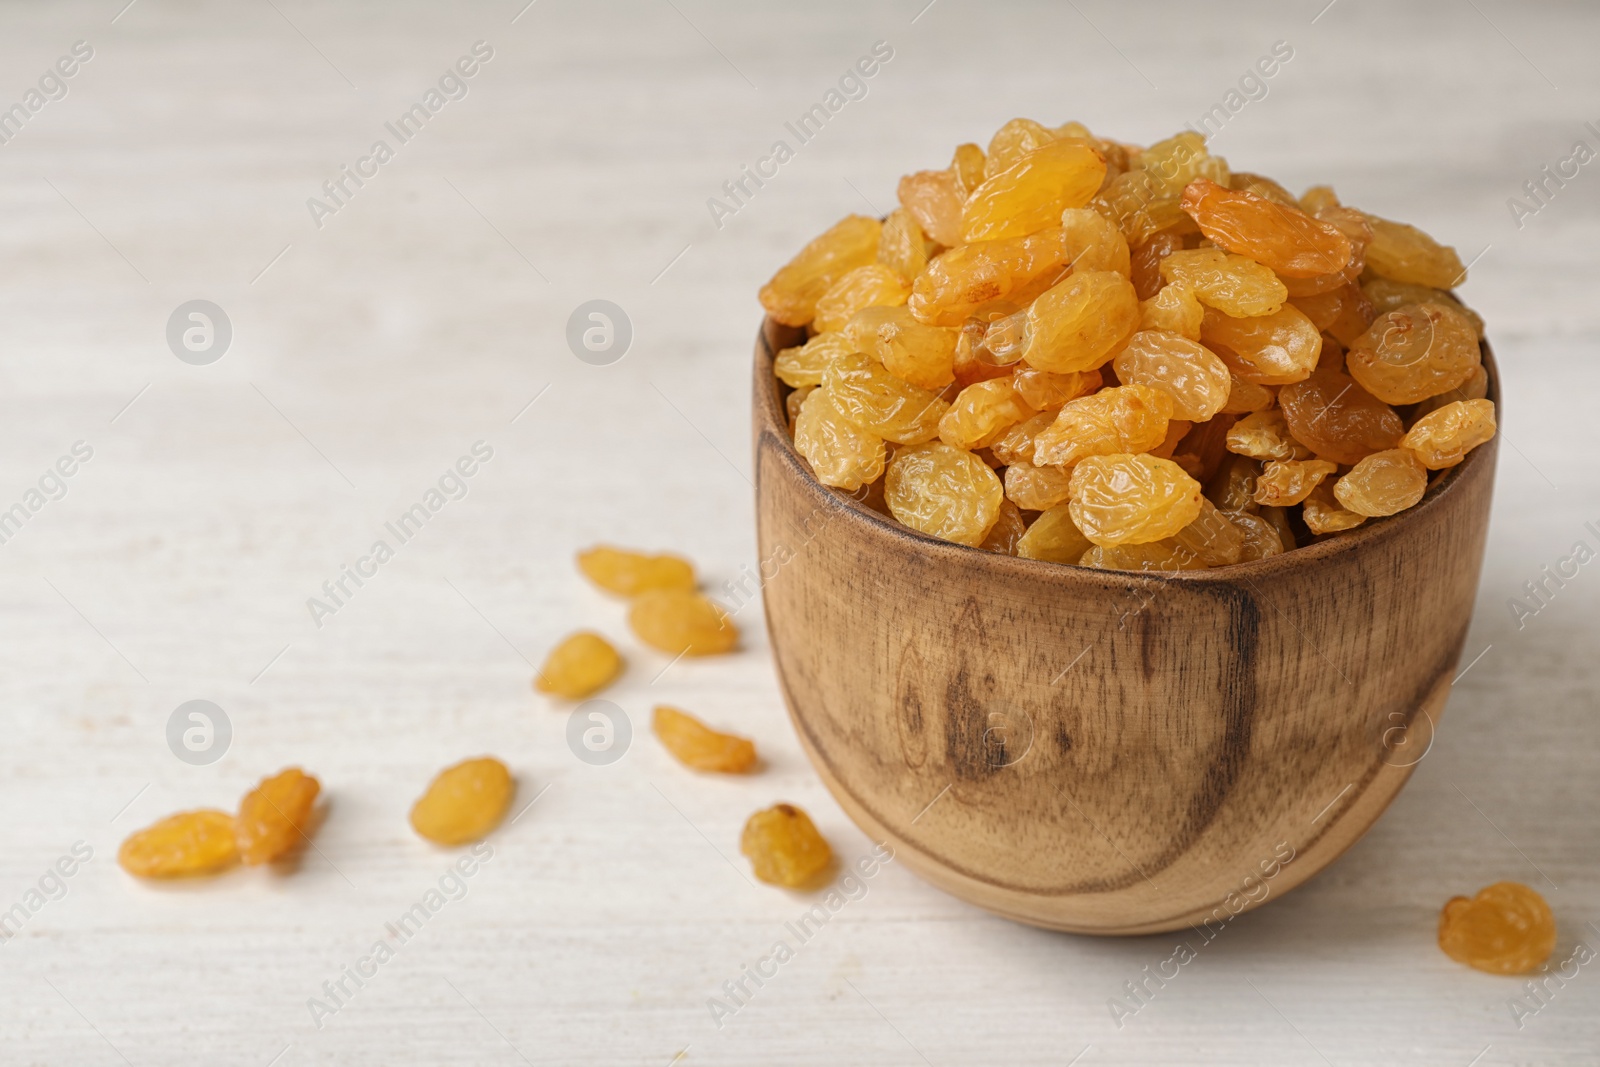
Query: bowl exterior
x=1107, y=752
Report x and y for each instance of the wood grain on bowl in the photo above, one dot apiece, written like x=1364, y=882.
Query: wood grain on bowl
x=1100, y=751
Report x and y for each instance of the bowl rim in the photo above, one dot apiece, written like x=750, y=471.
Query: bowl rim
x=772, y=422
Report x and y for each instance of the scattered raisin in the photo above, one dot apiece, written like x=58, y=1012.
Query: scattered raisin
x=697, y=745
x=1506, y=929
x=464, y=802
x=784, y=847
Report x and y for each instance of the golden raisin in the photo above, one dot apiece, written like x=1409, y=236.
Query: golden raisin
x=1260, y=537
x=697, y=745
x=961, y=280
x=840, y=452
x=1406, y=254
x=934, y=199
x=1443, y=438
x=1415, y=352
x=879, y=402
x=581, y=664
x=944, y=492
x=682, y=623
x=1284, y=482
x=1506, y=929
x=191, y=842
x=1037, y=488
x=901, y=245
x=1337, y=419
x=1211, y=537
x=464, y=802
x=1175, y=310
x=1079, y=324
x=628, y=573
x=1230, y=283
x=1265, y=435
x=1189, y=373
x=1125, y=418
x=1277, y=348
x=1163, y=555
x=1007, y=531
x=1132, y=499
x=784, y=847
x=1245, y=397
x=1015, y=444
x=1013, y=141
x=873, y=285
x=1032, y=192
x=273, y=816
x=1324, y=515
x=1388, y=295
x=1382, y=484
x=804, y=364
x=1042, y=389
x=981, y=412
x=1054, y=536
x=792, y=294
x=910, y=350
x=1284, y=238
x=1233, y=487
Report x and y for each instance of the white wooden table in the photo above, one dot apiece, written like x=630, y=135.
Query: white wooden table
x=430, y=310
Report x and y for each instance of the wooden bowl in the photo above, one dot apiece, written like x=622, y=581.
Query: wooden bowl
x=1099, y=751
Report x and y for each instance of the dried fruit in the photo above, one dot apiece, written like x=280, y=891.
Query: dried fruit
x=1042, y=389
x=1415, y=352
x=1284, y=238
x=910, y=350
x=962, y=280
x=1015, y=445
x=943, y=492
x=1063, y=298
x=1032, y=192
x=1278, y=348
x=1388, y=295
x=1037, y=488
x=697, y=745
x=1507, y=928
x=1007, y=532
x=1265, y=435
x=804, y=364
x=1191, y=374
x=873, y=285
x=1163, y=555
x=1337, y=419
x=1132, y=499
x=1211, y=537
x=682, y=623
x=273, y=817
x=1406, y=254
x=934, y=199
x=1260, y=537
x=784, y=847
x=1175, y=310
x=466, y=801
x=1382, y=484
x=981, y=412
x=581, y=664
x=902, y=246
x=792, y=294
x=629, y=573
x=1077, y=325
x=1232, y=284
x=840, y=452
x=1324, y=515
x=191, y=842
x=1127, y=418
x=1289, y=481
x=1054, y=536
x=1443, y=438
x=881, y=403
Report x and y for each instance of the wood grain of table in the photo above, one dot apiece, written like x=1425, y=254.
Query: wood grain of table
x=429, y=313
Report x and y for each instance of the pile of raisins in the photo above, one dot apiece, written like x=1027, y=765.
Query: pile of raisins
x=1072, y=349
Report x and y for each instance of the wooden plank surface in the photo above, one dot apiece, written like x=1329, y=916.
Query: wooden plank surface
x=430, y=310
